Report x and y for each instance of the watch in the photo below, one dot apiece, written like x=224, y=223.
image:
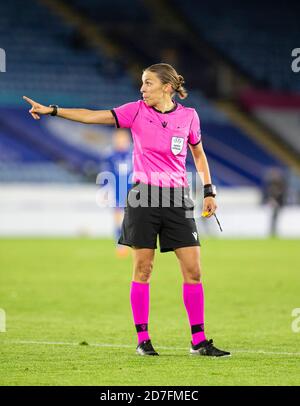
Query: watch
x=55, y=107
x=210, y=190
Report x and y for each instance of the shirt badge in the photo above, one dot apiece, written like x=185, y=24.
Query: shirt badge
x=177, y=145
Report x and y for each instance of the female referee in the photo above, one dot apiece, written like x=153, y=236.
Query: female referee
x=158, y=204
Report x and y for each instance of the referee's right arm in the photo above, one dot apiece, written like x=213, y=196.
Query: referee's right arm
x=81, y=115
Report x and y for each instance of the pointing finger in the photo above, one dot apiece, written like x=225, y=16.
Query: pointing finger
x=30, y=101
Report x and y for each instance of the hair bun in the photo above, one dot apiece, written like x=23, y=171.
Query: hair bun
x=181, y=80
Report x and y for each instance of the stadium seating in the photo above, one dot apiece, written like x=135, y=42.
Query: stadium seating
x=278, y=111
x=43, y=57
x=105, y=11
x=257, y=36
x=46, y=61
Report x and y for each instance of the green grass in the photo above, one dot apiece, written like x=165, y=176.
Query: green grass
x=71, y=291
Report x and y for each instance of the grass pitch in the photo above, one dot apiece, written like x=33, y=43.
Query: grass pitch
x=60, y=295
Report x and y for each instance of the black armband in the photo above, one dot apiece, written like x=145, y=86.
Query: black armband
x=210, y=190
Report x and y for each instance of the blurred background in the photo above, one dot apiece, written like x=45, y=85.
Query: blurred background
x=237, y=60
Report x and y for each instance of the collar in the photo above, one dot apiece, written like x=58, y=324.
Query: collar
x=168, y=111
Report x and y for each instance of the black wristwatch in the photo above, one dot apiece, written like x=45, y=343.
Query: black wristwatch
x=210, y=190
x=55, y=107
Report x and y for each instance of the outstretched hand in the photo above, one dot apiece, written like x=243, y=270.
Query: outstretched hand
x=37, y=109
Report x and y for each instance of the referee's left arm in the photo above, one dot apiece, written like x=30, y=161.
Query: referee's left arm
x=209, y=204
x=201, y=162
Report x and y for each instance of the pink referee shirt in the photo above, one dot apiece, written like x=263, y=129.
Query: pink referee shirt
x=160, y=141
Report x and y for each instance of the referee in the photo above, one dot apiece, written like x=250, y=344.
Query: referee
x=158, y=204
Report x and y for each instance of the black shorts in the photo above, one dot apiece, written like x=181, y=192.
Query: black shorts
x=153, y=211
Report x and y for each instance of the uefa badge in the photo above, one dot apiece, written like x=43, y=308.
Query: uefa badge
x=177, y=145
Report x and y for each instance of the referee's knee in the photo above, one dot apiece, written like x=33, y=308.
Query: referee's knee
x=192, y=275
x=143, y=270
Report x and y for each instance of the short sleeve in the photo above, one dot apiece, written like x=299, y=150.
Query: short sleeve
x=126, y=114
x=195, y=131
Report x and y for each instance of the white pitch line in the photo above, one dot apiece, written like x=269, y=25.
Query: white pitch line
x=28, y=342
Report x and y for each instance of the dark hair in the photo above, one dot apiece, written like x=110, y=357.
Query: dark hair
x=167, y=74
